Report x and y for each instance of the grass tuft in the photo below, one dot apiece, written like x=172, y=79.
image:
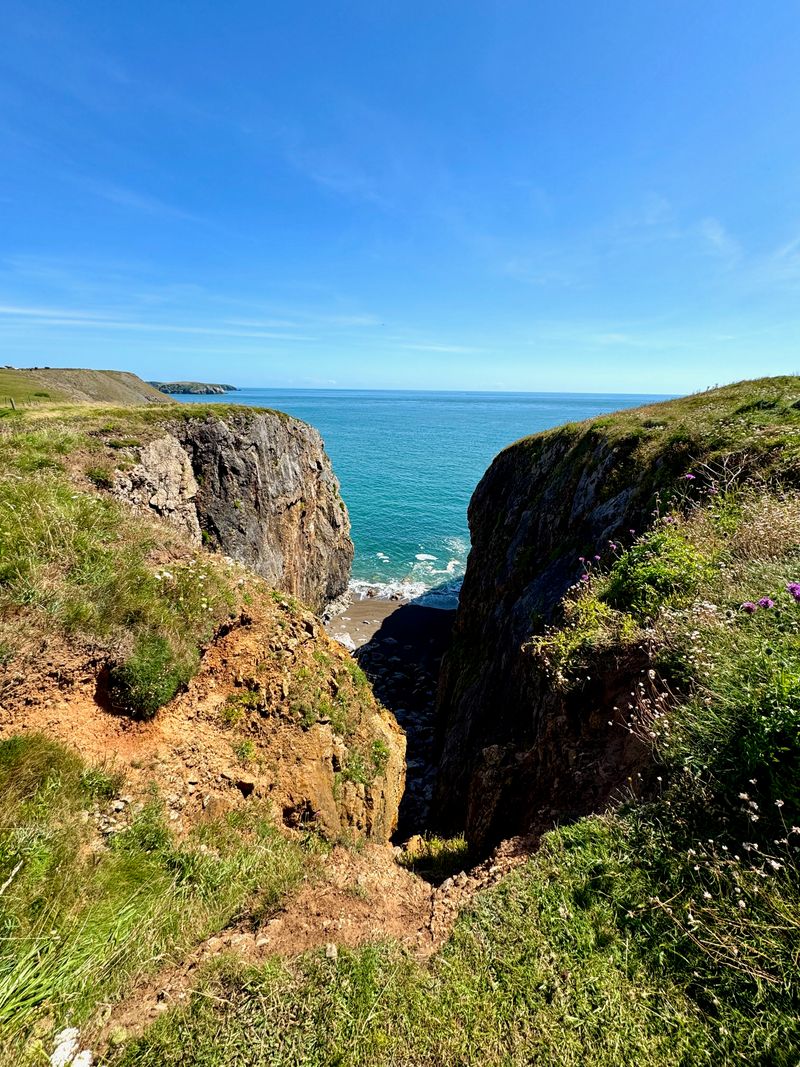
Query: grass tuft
x=80, y=920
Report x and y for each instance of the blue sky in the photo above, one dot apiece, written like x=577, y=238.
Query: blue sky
x=502, y=195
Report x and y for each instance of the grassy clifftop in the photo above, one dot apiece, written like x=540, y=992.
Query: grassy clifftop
x=757, y=415
x=54, y=385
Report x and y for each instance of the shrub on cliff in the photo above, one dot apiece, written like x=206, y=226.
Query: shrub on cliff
x=659, y=569
x=150, y=677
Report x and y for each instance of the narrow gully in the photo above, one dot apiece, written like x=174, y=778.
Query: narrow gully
x=402, y=661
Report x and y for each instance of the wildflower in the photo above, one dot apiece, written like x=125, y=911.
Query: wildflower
x=706, y=895
x=742, y=905
x=793, y=588
x=597, y=557
x=689, y=477
x=749, y=607
x=66, y=1045
x=584, y=577
x=743, y=796
x=775, y=865
x=765, y=602
x=778, y=803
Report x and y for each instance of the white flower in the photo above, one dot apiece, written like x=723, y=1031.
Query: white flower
x=66, y=1047
x=83, y=1059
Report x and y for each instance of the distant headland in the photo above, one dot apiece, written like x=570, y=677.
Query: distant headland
x=193, y=387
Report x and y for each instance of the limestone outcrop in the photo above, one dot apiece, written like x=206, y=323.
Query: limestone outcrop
x=162, y=481
x=268, y=497
x=255, y=485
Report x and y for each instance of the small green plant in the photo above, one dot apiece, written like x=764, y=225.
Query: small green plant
x=661, y=568
x=587, y=620
x=102, y=477
x=150, y=677
x=380, y=755
x=356, y=768
x=101, y=784
x=436, y=858
x=244, y=751
x=238, y=704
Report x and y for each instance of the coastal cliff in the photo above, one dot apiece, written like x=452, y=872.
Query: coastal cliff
x=255, y=485
x=516, y=750
x=193, y=388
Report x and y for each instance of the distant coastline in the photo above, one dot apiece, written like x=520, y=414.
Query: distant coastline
x=193, y=388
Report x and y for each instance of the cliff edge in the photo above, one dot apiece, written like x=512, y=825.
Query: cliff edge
x=513, y=748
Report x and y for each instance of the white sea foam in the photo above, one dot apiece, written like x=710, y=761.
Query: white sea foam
x=443, y=596
x=450, y=568
x=424, y=557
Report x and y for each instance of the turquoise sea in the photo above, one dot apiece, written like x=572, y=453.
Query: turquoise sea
x=408, y=463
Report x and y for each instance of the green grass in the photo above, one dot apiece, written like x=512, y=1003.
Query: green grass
x=81, y=920
x=23, y=389
x=757, y=416
x=571, y=960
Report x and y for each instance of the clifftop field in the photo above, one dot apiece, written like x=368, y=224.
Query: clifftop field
x=199, y=787
x=55, y=386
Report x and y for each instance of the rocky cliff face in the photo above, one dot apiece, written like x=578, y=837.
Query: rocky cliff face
x=256, y=485
x=162, y=481
x=511, y=748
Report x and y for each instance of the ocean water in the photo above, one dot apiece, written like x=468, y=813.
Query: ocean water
x=408, y=463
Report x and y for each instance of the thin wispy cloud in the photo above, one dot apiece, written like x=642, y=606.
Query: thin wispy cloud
x=431, y=347
x=54, y=317
x=137, y=201
x=719, y=240
x=264, y=324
